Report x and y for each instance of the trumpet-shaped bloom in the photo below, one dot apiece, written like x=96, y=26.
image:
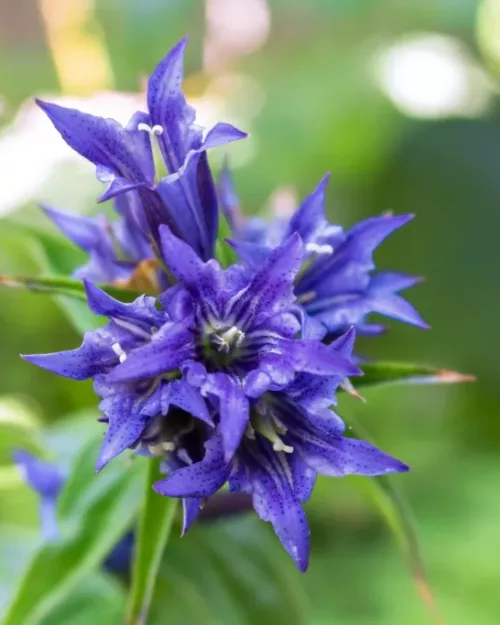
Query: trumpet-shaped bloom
x=185, y=198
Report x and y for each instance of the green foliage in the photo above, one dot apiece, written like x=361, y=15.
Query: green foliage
x=153, y=530
x=93, y=518
x=382, y=373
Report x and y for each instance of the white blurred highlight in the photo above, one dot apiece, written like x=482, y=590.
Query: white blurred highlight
x=430, y=75
x=234, y=28
x=31, y=150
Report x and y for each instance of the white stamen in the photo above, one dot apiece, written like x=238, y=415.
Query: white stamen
x=234, y=336
x=222, y=345
x=153, y=130
x=117, y=348
x=280, y=446
x=319, y=249
x=168, y=445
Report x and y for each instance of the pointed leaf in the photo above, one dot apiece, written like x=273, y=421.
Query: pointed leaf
x=377, y=373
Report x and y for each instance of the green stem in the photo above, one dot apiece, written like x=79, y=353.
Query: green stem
x=154, y=527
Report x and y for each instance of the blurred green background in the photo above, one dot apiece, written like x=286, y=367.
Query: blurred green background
x=399, y=100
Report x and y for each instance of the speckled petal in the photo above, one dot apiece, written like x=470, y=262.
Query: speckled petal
x=169, y=347
x=276, y=499
x=201, y=479
x=94, y=356
x=340, y=456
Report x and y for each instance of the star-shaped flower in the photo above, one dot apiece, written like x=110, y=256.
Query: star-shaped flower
x=338, y=284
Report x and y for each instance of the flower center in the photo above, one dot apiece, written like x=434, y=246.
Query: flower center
x=222, y=344
x=227, y=340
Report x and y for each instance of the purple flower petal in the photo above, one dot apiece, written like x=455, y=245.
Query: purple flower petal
x=188, y=398
x=180, y=259
x=85, y=232
x=340, y=456
x=102, y=141
x=126, y=421
x=271, y=289
x=169, y=347
x=141, y=312
x=94, y=356
x=46, y=479
x=398, y=308
x=191, y=508
x=234, y=411
x=201, y=479
x=314, y=357
x=275, y=500
x=391, y=282
x=309, y=218
x=168, y=108
x=221, y=134
x=189, y=197
x=43, y=477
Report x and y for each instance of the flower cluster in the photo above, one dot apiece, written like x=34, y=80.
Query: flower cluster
x=229, y=374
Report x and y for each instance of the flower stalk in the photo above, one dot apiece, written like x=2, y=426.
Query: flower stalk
x=153, y=531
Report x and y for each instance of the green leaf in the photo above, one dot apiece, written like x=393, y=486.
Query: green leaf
x=97, y=599
x=378, y=373
x=231, y=572
x=392, y=506
x=155, y=523
x=87, y=536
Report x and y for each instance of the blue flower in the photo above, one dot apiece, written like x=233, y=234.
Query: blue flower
x=185, y=199
x=119, y=252
x=337, y=285
x=46, y=480
x=292, y=436
x=243, y=333
x=129, y=408
x=226, y=384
